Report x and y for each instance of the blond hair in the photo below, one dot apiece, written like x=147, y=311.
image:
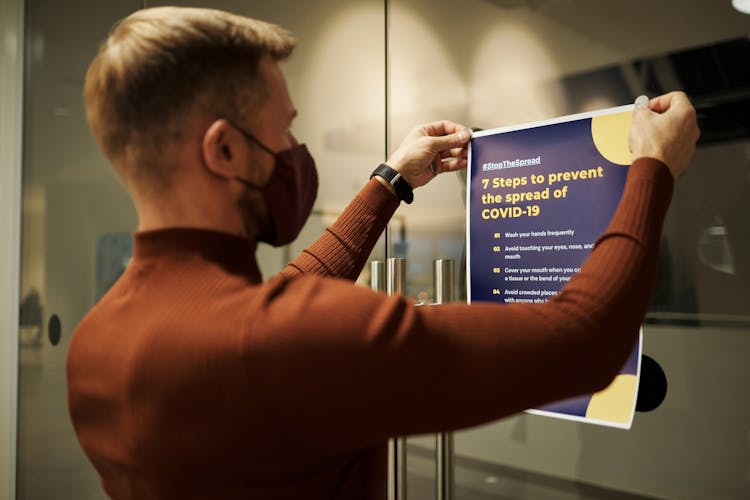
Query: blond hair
x=159, y=66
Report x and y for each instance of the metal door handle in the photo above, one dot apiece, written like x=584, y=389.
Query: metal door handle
x=444, y=285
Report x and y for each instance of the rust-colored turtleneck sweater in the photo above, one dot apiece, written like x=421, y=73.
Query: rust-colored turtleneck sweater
x=194, y=379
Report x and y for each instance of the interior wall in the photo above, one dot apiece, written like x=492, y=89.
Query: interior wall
x=11, y=56
x=336, y=80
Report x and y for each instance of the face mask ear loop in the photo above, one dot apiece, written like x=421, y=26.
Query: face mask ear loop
x=246, y=182
x=252, y=138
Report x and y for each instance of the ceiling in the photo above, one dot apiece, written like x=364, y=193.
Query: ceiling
x=665, y=25
x=700, y=46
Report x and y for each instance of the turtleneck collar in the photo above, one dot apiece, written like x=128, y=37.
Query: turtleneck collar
x=232, y=252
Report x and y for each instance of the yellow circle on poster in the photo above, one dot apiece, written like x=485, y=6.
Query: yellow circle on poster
x=615, y=403
x=610, y=135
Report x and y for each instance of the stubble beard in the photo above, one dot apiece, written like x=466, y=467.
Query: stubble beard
x=254, y=215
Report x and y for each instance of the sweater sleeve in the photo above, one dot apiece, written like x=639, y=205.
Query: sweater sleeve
x=344, y=247
x=362, y=366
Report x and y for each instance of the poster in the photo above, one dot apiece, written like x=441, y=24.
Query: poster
x=539, y=195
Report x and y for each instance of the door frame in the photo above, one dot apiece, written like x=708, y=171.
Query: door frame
x=11, y=136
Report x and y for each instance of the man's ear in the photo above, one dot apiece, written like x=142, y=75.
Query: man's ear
x=225, y=150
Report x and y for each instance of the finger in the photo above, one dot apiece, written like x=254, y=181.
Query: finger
x=453, y=164
x=446, y=128
x=442, y=127
x=435, y=165
x=641, y=102
x=662, y=103
x=462, y=152
x=454, y=153
x=641, y=107
x=447, y=142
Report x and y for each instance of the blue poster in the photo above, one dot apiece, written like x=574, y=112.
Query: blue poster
x=539, y=195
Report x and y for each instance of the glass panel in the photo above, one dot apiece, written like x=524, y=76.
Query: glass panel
x=78, y=220
x=489, y=63
x=69, y=199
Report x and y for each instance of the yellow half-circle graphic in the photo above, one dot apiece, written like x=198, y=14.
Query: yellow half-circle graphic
x=615, y=403
x=610, y=134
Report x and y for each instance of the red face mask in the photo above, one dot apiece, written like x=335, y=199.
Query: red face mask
x=289, y=193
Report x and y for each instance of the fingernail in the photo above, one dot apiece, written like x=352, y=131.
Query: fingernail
x=463, y=136
x=642, y=101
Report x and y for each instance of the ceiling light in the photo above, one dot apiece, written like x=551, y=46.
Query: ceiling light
x=742, y=5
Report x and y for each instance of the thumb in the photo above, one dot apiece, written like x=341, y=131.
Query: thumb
x=642, y=113
x=641, y=104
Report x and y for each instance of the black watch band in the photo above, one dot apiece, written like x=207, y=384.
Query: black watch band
x=394, y=178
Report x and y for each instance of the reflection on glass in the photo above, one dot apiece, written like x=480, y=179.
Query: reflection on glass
x=30, y=319
x=714, y=248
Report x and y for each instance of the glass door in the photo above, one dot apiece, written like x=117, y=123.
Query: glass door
x=491, y=63
x=78, y=219
x=75, y=214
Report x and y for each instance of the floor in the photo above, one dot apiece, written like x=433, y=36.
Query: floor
x=476, y=480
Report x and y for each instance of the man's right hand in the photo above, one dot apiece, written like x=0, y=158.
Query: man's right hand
x=441, y=145
x=666, y=130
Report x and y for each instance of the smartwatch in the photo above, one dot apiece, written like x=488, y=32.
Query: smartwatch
x=394, y=178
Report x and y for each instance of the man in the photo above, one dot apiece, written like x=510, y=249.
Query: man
x=193, y=378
